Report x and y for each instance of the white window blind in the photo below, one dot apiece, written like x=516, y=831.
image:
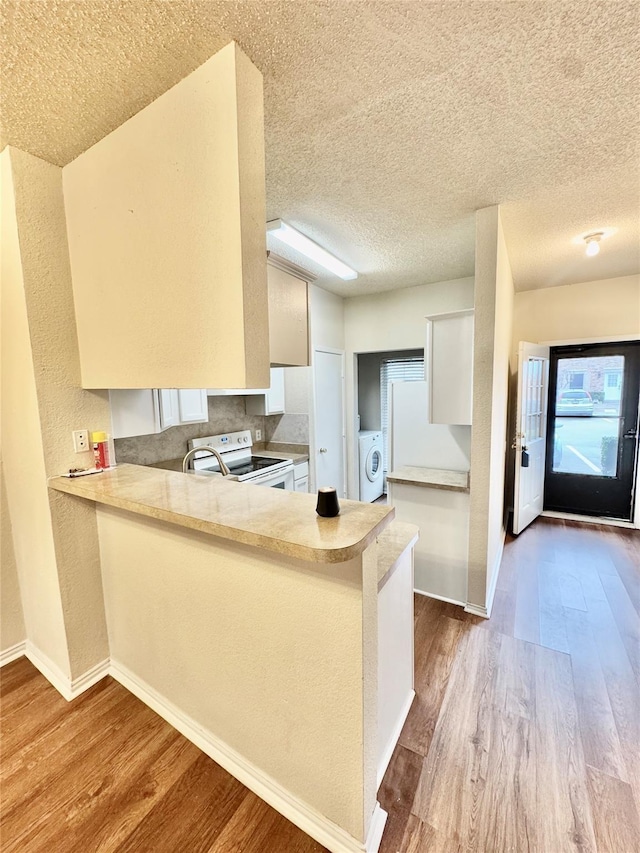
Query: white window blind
x=409, y=369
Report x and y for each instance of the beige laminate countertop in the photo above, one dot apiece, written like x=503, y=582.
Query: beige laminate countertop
x=434, y=478
x=392, y=543
x=296, y=458
x=273, y=519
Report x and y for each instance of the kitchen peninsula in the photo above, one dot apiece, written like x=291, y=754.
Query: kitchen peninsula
x=252, y=625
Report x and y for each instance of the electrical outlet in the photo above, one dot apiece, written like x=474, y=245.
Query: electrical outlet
x=81, y=440
x=258, y=435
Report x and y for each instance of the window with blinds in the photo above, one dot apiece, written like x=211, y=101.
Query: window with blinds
x=410, y=369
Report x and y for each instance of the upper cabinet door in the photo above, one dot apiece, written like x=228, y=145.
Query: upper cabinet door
x=288, y=319
x=166, y=225
x=272, y=401
x=448, y=367
x=168, y=405
x=192, y=405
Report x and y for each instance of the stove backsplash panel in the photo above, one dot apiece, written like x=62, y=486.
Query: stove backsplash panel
x=289, y=429
x=226, y=414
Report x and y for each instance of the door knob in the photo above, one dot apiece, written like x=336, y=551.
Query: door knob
x=323, y=450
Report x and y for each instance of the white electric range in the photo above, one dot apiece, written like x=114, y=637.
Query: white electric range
x=235, y=449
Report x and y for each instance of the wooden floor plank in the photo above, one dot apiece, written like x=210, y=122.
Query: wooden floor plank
x=626, y=618
x=431, y=679
x=396, y=794
x=565, y=821
x=598, y=731
x=83, y=775
x=553, y=634
x=616, y=821
x=527, y=609
x=13, y=676
x=192, y=814
x=622, y=687
x=256, y=828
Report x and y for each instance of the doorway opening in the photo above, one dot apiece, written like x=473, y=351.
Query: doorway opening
x=592, y=429
x=375, y=372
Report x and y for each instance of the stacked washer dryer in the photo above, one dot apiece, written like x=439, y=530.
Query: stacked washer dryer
x=371, y=479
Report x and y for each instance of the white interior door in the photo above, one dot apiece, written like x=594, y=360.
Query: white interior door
x=531, y=433
x=329, y=421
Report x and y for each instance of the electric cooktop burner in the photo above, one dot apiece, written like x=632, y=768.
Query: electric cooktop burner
x=256, y=463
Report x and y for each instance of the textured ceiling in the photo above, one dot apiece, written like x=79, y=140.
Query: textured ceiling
x=387, y=123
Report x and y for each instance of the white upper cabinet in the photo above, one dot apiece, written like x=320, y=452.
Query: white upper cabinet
x=166, y=226
x=272, y=401
x=448, y=367
x=192, y=405
x=145, y=411
x=288, y=318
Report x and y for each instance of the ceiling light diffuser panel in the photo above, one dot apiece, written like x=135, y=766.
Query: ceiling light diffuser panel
x=310, y=249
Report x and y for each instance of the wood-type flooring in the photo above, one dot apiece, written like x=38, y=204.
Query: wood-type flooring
x=524, y=736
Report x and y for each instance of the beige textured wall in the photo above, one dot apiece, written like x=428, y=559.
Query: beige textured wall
x=578, y=312
x=394, y=320
x=55, y=539
x=492, y=346
x=12, y=630
x=166, y=219
x=25, y=474
x=265, y=652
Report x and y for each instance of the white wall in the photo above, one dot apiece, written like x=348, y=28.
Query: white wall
x=578, y=312
x=327, y=318
x=55, y=539
x=12, y=630
x=492, y=345
x=394, y=320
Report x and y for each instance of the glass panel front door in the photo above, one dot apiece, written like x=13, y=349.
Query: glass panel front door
x=592, y=429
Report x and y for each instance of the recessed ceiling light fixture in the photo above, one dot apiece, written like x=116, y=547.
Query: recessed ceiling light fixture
x=289, y=235
x=593, y=243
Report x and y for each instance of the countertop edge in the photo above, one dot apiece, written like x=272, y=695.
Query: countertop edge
x=404, y=478
x=78, y=488
x=393, y=542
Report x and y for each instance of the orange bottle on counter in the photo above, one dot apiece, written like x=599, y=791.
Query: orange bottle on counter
x=100, y=449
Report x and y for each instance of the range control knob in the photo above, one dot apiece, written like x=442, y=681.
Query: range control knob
x=240, y=440
x=245, y=439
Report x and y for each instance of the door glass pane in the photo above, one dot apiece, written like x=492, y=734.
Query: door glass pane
x=587, y=415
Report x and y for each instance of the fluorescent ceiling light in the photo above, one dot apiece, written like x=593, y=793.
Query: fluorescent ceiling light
x=278, y=228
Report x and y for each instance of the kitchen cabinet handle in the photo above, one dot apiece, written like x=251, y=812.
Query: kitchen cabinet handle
x=323, y=450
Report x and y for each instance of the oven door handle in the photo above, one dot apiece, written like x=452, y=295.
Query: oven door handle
x=270, y=475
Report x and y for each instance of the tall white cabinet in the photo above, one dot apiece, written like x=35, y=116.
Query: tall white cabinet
x=448, y=363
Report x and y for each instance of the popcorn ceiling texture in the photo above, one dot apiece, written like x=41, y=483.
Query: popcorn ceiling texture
x=387, y=123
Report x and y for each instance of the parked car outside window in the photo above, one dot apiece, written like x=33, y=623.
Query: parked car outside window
x=574, y=403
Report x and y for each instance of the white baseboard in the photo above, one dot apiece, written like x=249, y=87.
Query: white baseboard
x=14, y=652
x=321, y=829
x=67, y=687
x=54, y=675
x=439, y=597
x=395, y=735
x=476, y=610
x=376, y=828
x=89, y=678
